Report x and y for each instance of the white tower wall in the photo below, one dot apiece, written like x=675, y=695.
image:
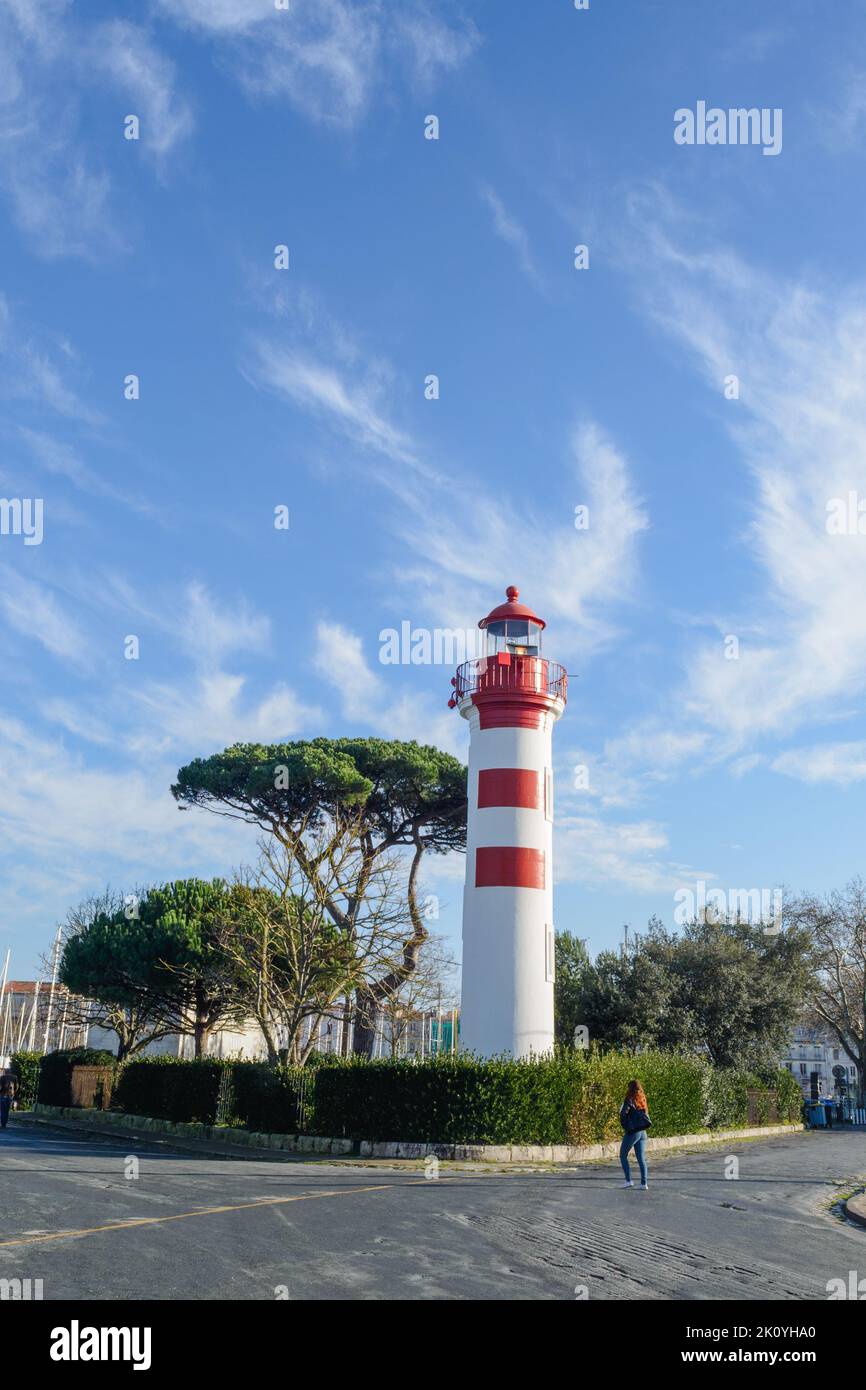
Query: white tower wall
x=507, y=997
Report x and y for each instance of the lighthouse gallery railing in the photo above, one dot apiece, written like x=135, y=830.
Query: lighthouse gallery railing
x=530, y=673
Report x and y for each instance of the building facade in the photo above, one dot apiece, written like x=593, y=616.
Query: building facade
x=811, y=1052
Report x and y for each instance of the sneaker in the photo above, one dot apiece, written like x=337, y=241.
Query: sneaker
x=628, y=1184
x=644, y=1187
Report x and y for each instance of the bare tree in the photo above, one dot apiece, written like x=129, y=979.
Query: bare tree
x=837, y=990
x=432, y=987
x=298, y=958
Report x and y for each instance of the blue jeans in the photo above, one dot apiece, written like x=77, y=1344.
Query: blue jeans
x=638, y=1140
x=5, y=1103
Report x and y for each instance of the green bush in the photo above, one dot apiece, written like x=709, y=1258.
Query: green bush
x=570, y=1098
x=790, y=1097
x=170, y=1089
x=26, y=1068
x=267, y=1099
x=565, y=1099
x=55, y=1072
x=727, y=1098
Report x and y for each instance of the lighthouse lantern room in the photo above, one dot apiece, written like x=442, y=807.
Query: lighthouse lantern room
x=511, y=697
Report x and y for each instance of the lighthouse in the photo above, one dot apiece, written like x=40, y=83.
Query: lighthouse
x=512, y=697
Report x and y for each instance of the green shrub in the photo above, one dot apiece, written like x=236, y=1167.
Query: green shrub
x=55, y=1072
x=466, y=1100
x=726, y=1099
x=778, y=1099
x=267, y=1099
x=790, y=1097
x=26, y=1068
x=569, y=1098
x=170, y=1089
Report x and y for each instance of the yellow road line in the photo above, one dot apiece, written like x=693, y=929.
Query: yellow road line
x=203, y=1211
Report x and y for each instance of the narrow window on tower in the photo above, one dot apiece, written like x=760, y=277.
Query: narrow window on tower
x=548, y=793
x=549, y=955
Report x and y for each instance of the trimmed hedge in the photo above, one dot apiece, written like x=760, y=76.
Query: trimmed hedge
x=571, y=1098
x=727, y=1097
x=55, y=1072
x=26, y=1067
x=167, y=1088
x=269, y=1100
x=790, y=1097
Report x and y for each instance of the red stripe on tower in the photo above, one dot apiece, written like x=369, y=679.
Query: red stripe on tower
x=509, y=786
x=509, y=866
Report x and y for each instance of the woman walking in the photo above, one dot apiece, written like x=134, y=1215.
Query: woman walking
x=8, y=1092
x=635, y=1120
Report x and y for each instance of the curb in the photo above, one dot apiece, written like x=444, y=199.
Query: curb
x=855, y=1207
x=158, y=1139
x=237, y=1143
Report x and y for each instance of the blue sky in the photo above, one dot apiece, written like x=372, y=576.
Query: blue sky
x=305, y=387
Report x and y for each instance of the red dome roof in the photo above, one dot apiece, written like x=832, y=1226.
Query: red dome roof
x=512, y=609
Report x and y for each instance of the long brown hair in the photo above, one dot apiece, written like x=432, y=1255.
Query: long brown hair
x=635, y=1094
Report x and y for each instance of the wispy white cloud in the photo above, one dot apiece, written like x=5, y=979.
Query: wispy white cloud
x=34, y=611
x=799, y=427
x=840, y=763
x=629, y=765
x=466, y=536
x=52, y=55
x=374, y=701
x=459, y=536
x=211, y=709
x=34, y=370
x=633, y=855
x=326, y=57
x=511, y=232
x=133, y=64
x=53, y=803
x=62, y=460
x=210, y=633
x=321, y=388
x=143, y=715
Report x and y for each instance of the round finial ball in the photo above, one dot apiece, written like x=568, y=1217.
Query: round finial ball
x=512, y=593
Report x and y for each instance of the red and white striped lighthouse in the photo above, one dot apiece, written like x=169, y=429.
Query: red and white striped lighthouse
x=512, y=697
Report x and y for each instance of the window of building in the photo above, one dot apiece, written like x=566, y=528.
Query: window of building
x=549, y=955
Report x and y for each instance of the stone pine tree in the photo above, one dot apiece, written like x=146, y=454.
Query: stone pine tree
x=393, y=796
x=166, y=963
x=96, y=956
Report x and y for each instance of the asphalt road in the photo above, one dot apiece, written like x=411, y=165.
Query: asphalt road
x=205, y=1228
